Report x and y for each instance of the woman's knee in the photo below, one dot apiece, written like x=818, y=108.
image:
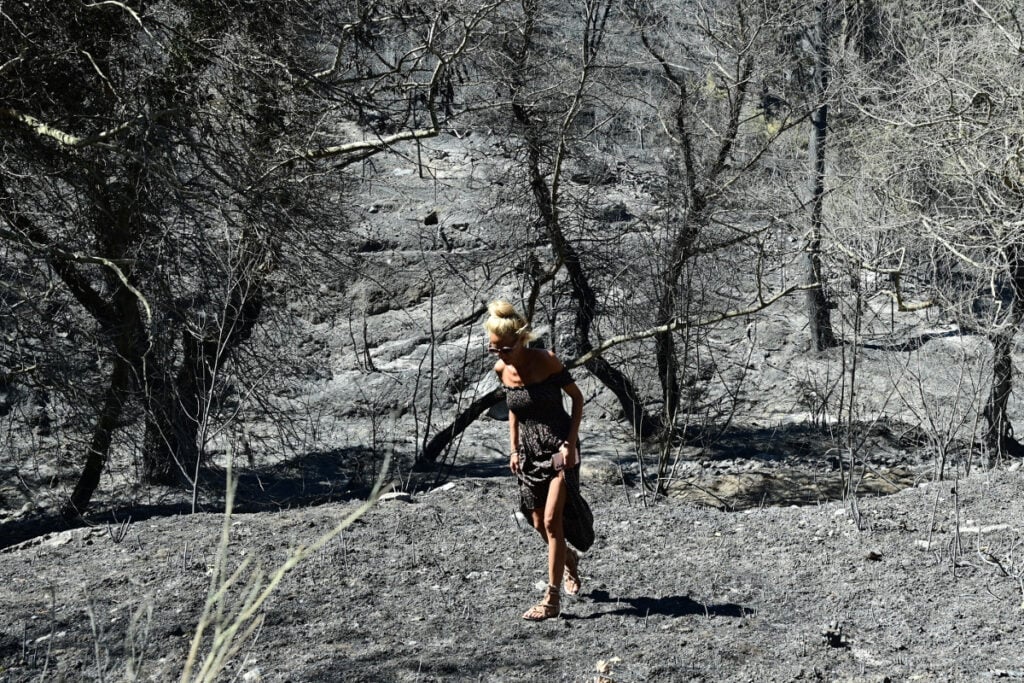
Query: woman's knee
x=553, y=525
x=537, y=519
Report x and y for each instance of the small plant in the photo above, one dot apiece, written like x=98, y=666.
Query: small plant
x=949, y=423
x=234, y=601
x=815, y=394
x=137, y=640
x=1009, y=566
x=119, y=532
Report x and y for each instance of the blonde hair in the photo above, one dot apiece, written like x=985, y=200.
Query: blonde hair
x=505, y=321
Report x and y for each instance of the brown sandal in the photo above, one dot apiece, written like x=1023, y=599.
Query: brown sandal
x=548, y=608
x=573, y=582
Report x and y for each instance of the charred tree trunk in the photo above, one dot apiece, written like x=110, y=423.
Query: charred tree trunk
x=665, y=352
x=120, y=319
x=999, y=436
x=644, y=425
x=665, y=344
x=818, y=306
x=438, y=444
x=170, y=448
x=178, y=402
x=114, y=399
x=179, y=405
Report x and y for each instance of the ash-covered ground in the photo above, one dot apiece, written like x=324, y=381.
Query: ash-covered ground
x=925, y=584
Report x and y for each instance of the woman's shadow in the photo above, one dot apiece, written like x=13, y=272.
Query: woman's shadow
x=670, y=606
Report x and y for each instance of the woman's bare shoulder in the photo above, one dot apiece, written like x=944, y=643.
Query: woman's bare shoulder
x=550, y=360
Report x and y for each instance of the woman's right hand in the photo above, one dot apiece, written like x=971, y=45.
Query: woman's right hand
x=513, y=463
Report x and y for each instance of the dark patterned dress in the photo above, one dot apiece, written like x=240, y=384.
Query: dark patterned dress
x=543, y=426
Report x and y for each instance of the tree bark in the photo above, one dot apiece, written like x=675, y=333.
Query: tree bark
x=170, y=447
x=106, y=422
x=818, y=306
x=438, y=444
x=665, y=343
x=1000, y=436
x=644, y=425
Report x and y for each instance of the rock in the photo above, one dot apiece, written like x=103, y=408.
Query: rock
x=834, y=636
x=395, y=495
x=373, y=245
x=614, y=213
x=431, y=218
x=519, y=519
x=600, y=470
x=499, y=411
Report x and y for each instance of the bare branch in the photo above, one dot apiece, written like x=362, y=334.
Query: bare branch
x=41, y=129
x=932, y=232
x=102, y=75
x=75, y=257
x=677, y=323
x=1016, y=43
x=123, y=6
x=895, y=275
x=347, y=28
x=355, y=151
x=45, y=130
x=11, y=63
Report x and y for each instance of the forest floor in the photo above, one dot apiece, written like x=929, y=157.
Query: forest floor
x=925, y=584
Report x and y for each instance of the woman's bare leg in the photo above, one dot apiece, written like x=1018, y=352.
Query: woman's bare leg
x=537, y=515
x=572, y=572
x=548, y=522
x=554, y=531
x=544, y=520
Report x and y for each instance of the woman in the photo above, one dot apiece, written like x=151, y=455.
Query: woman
x=544, y=442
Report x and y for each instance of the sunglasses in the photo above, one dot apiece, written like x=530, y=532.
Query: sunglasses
x=501, y=349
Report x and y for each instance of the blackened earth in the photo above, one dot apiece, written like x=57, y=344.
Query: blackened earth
x=925, y=584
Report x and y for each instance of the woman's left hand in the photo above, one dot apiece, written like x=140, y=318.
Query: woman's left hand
x=569, y=455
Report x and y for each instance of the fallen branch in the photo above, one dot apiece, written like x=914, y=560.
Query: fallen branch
x=440, y=441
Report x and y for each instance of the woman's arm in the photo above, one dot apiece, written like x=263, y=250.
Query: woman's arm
x=513, y=425
x=513, y=438
x=577, y=411
x=569, y=450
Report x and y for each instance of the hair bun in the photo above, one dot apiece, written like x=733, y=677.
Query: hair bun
x=505, y=321
x=502, y=309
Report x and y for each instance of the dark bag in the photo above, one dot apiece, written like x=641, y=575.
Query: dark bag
x=577, y=518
